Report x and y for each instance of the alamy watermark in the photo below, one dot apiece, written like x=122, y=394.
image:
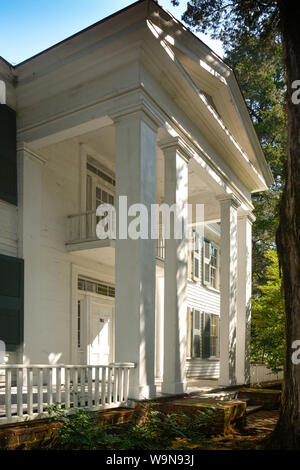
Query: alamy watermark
x=138, y=221
x=296, y=93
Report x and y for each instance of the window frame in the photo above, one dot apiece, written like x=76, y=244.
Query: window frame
x=214, y=340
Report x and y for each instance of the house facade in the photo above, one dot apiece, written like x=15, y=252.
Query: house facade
x=133, y=106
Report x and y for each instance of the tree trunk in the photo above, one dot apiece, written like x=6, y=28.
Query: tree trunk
x=287, y=432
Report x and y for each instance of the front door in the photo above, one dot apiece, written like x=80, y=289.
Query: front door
x=100, y=333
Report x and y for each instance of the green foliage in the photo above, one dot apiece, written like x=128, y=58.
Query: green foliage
x=81, y=430
x=231, y=21
x=268, y=332
x=259, y=71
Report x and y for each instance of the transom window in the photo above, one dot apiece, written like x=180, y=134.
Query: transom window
x=101, y=173
x=96, y=287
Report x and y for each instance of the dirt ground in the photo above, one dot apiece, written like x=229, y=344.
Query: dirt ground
x=258, y=427
x=253, y=436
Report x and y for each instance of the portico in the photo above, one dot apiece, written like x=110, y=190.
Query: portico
x=150, y=118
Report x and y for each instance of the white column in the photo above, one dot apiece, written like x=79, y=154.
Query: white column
x=30, y=167
x=159, y=327
x=176, y=258
x=244, y=235
x=228, y=290
x=135, y=263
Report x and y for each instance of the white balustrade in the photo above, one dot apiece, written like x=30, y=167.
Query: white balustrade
x=30, y=390
x=82, y=228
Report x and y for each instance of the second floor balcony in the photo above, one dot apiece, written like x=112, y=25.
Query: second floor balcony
x=81, y=234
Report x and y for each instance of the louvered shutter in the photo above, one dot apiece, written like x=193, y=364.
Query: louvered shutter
x=8, y=155
x=11, y=301
x=206, y=335
x=196, y=334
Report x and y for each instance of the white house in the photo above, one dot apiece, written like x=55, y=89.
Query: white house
x=134, y=105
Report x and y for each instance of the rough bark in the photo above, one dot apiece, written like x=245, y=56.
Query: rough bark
x=287, y=432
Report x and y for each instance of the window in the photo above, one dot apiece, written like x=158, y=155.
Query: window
x=96, y=287
x=100, y=189
x=210, y=264
x=205, y=335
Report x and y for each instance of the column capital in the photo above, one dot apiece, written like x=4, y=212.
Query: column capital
x=141, y=109
x=247, y=215
x=235, y=202
x=31, y=154
x=171, y=143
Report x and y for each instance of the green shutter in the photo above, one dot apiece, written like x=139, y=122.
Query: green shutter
x=11, y=301
x=206, y=335
x=8, y=155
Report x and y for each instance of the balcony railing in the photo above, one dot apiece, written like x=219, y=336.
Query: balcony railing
x=29, y=391
x=82, y=228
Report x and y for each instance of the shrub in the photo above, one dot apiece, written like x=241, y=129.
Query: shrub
x=81, y=430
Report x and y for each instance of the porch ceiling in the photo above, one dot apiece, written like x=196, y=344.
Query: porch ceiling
x=101, y=145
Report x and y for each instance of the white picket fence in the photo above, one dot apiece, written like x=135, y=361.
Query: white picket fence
x=259, y=373
x=29, y=390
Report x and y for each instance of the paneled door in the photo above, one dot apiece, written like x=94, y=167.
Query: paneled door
x=100, y=344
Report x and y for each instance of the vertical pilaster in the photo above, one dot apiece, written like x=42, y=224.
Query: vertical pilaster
x=30, y=167
x=135, y=259
x=176, y=259
x=228, y=290
x=244, y=285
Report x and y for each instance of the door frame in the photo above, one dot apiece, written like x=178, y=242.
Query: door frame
x=100, y=275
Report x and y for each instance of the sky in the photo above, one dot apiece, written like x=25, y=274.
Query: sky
x=29, y=26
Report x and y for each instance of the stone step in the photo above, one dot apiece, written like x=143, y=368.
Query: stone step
x=253, y=408
x=223, y=395
x=246, y=400
x=268, y=398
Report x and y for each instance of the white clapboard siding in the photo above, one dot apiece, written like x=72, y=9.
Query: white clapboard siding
x=201, y=368
x=8, y=229
x=203, y=298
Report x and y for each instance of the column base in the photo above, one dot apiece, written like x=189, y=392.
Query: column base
x=144, y=392
x=177, y=388
x=227, y=382
x=241, y=380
